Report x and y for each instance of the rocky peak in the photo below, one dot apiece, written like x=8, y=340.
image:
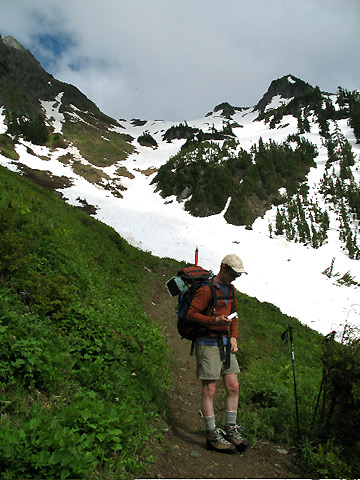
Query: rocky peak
x=23, y=83
x=11, y=42
x=285, y=87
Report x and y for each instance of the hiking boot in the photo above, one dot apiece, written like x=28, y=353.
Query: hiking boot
x=216, y=441
x=233, y=436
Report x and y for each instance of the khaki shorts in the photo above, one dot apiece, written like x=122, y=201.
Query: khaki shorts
x=209, y=365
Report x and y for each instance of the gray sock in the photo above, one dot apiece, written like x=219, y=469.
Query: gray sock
x=210, y=423
x=231, y=417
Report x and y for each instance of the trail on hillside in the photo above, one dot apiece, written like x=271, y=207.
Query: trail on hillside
x=185, y=454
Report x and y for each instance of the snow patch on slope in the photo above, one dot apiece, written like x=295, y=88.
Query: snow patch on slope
x=53, y=115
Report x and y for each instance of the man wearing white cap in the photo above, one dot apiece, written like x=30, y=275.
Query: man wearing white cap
x=214, y=330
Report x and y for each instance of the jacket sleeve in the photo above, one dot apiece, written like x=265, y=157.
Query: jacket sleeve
x=199, y=304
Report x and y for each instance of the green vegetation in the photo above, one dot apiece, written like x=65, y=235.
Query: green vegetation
x=302, y=220
x=349, y=103
x=15, y=98
x=342, y=191
x=196, y=135
x=90, y=173
x=266, y=384
x=56, y=140
x=7, y=147
x=327, y=379
x=206, y=174
x=183, y=130
x=147, y=140
x=79, y=390
x=33, y=130
x=96, y=142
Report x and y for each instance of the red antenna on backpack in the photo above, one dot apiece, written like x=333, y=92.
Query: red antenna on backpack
x=196, y=256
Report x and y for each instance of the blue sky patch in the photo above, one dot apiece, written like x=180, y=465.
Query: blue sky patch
x=56, y=44
x=48, y=48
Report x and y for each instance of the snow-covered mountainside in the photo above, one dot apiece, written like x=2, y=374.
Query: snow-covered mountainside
x=114, y=179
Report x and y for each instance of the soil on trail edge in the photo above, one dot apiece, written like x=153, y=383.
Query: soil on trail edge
x=184, y=452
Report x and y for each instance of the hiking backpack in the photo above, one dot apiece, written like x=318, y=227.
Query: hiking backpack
x=185, y=285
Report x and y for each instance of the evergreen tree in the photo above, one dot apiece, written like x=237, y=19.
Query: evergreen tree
x=33, y=130
x=279, y=222
x=332, y=157
x=314, y=239
x=347, y=155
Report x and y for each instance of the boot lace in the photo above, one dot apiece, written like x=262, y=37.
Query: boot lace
x=219, y=436
x=234, y=431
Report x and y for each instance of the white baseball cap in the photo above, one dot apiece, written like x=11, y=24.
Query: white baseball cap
x=234, y=262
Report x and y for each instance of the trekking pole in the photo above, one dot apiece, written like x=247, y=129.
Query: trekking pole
x=283, y=336
x=323, y=379
x=327, y=338
x=293, y=366
x=196, y=256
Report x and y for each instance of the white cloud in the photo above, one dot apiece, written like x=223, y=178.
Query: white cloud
x=177, y=60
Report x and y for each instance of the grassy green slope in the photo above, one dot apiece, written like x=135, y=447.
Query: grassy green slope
x=79, y=387
x=267, y=395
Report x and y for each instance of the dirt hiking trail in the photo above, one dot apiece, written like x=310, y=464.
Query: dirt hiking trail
x=185, y=454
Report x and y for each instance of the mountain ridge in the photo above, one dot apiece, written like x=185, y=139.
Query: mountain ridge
x=22, y=72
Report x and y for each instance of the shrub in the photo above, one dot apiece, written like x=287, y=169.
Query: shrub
x=147, y=140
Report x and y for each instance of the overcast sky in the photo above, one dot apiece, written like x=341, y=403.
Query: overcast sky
x=177, y=59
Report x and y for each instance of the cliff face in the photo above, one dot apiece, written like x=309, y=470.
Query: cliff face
x=22, y=79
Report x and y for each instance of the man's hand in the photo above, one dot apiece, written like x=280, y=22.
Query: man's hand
x=223, y=320
x=233, y=343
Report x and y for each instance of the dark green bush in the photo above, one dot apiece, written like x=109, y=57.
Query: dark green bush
x=33, y=130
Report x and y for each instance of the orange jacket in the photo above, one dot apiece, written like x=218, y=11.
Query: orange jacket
x=200, y=303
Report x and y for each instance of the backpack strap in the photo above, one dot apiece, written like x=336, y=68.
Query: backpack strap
x=214, y=295
x=192, y=347
x=225, y=352
x=228, y=350
x=232, y=297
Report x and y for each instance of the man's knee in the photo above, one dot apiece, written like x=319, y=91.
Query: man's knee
x=232, y=384
x=209, y=388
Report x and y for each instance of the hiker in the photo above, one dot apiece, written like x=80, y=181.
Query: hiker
x=215, y=334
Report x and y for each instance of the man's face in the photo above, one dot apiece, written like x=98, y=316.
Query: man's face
x=229, y=274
